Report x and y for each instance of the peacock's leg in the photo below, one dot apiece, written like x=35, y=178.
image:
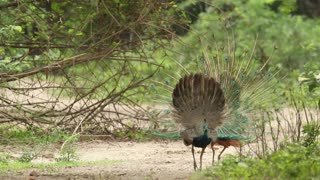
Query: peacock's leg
x=213, y=152
x=201, y=157
x=224, y=148
x=194, y=159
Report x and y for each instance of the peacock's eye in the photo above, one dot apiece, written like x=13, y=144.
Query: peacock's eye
x=269, y=75
x=152, y=86
x=241, y=77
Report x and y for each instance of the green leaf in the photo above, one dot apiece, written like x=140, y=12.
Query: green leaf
x=16, y=28
x=56, y=7
x=312, y=87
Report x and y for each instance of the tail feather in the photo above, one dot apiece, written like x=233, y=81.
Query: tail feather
x=230, y=89
x=195, y=98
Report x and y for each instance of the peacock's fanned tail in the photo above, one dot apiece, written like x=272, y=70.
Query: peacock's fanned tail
x=229, y=90
x=197, y=98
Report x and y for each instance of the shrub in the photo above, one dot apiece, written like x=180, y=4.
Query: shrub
x=293, y=162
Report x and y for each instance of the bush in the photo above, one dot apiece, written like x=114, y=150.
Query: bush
x=293, y=162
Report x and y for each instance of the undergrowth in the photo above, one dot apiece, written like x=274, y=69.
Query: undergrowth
x=20, y=146
x=300, y=160
x=17, y=166
x=30, y=135
x=294, y=162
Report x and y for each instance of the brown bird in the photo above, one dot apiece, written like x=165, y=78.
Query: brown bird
x=225, y=142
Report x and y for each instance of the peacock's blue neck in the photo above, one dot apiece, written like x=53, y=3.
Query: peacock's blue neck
x=202, y=140
x=205, y=133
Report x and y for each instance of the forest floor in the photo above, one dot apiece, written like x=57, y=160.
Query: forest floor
x=157, y=159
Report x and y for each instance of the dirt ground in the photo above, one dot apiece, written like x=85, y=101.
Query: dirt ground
x=134, y=160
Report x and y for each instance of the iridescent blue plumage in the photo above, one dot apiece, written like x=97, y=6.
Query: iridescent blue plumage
x=202, y=141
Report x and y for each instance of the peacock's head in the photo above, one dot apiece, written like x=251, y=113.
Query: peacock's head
x=205, y=128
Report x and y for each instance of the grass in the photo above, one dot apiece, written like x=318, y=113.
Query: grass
x=291, y=163
x=297, y=160
x=16, y=166
x=29, y=135
x=32, y=141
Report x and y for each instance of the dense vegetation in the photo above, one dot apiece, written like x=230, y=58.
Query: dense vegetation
x=95, y=57
x=298, y=160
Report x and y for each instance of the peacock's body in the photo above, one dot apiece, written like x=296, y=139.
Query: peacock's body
x=217, y=104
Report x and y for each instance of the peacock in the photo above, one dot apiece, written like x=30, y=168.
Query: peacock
x=198, y=103
x=217, y=103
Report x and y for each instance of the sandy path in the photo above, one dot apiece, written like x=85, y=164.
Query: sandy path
x=154, y=160
x=135, y=160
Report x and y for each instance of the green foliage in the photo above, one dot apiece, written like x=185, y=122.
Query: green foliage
x=311, y=132
x=293, y=162
x=68, y=149
x=312, y=79
x=138, y=134
x=27, y=157
x=32, y=32
x=4, y=158
x=39, y=139
x=67, y=154
x=306, y=91
x=244, y=20
x=31, y=141
x=30, y=135
x=17, y=166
